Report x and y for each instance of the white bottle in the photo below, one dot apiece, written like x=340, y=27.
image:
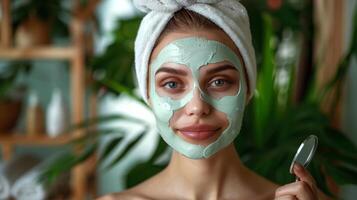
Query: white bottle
x=56, y=115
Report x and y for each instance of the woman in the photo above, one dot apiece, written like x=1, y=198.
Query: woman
x=196, y=69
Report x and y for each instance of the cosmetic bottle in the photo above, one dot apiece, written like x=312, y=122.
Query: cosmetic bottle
x=56, y=115
x=34, y=116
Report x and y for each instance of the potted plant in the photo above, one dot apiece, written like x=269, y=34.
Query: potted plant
x=35, y=22
x=11, y=95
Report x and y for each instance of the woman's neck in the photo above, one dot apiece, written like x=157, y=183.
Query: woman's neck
x=209, y=177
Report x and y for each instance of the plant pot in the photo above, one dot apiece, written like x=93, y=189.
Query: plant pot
x=32, y=32
x=9, y=114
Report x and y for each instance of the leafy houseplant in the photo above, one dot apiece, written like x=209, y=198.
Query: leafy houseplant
x=113, y=69
x=10, y=95
x=37, y=21
x=274, y=123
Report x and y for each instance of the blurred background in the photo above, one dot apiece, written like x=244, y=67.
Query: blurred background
x=72, y=125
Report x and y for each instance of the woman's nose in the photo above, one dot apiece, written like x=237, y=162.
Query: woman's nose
x=197, y=106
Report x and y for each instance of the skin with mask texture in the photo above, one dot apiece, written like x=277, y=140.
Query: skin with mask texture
x=191, y=68
x=222, y=175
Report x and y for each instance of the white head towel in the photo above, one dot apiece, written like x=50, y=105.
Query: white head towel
x=229, y=15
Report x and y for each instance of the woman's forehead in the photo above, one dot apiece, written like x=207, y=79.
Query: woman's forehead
x=213, y=34
x=199, y=54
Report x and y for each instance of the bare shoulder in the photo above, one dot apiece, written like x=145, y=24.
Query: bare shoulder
x=260, y=187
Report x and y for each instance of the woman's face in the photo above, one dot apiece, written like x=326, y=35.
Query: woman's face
x=197, y=121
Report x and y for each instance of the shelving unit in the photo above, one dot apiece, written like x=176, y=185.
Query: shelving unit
x=74, y=53
x=14, y=139
x=38, y=53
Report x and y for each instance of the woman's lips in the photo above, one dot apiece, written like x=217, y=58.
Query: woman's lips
x=198, y=132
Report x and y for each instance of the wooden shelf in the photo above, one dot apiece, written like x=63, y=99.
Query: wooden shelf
x=38, y=53
x=75, y=54
x=41, y=140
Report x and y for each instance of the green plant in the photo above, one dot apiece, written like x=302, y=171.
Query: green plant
x=276, y=133
x=8, y=74
x=114, y=68
x=53, y=12
x=272, y=130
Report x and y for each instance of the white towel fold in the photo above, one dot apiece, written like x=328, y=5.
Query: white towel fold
x=230, y=15
x=28, y=187
x=12, y=170
x=4, y=187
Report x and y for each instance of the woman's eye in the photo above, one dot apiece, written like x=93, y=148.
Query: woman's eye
x=171, y=85
x=218, y=83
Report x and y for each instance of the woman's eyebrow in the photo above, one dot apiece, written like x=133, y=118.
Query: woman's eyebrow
x=171, y=71
x=221, y=68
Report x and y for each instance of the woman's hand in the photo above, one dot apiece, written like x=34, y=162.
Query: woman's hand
x=304, y=189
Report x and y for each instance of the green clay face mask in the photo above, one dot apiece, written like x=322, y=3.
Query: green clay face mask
x=194, y=53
